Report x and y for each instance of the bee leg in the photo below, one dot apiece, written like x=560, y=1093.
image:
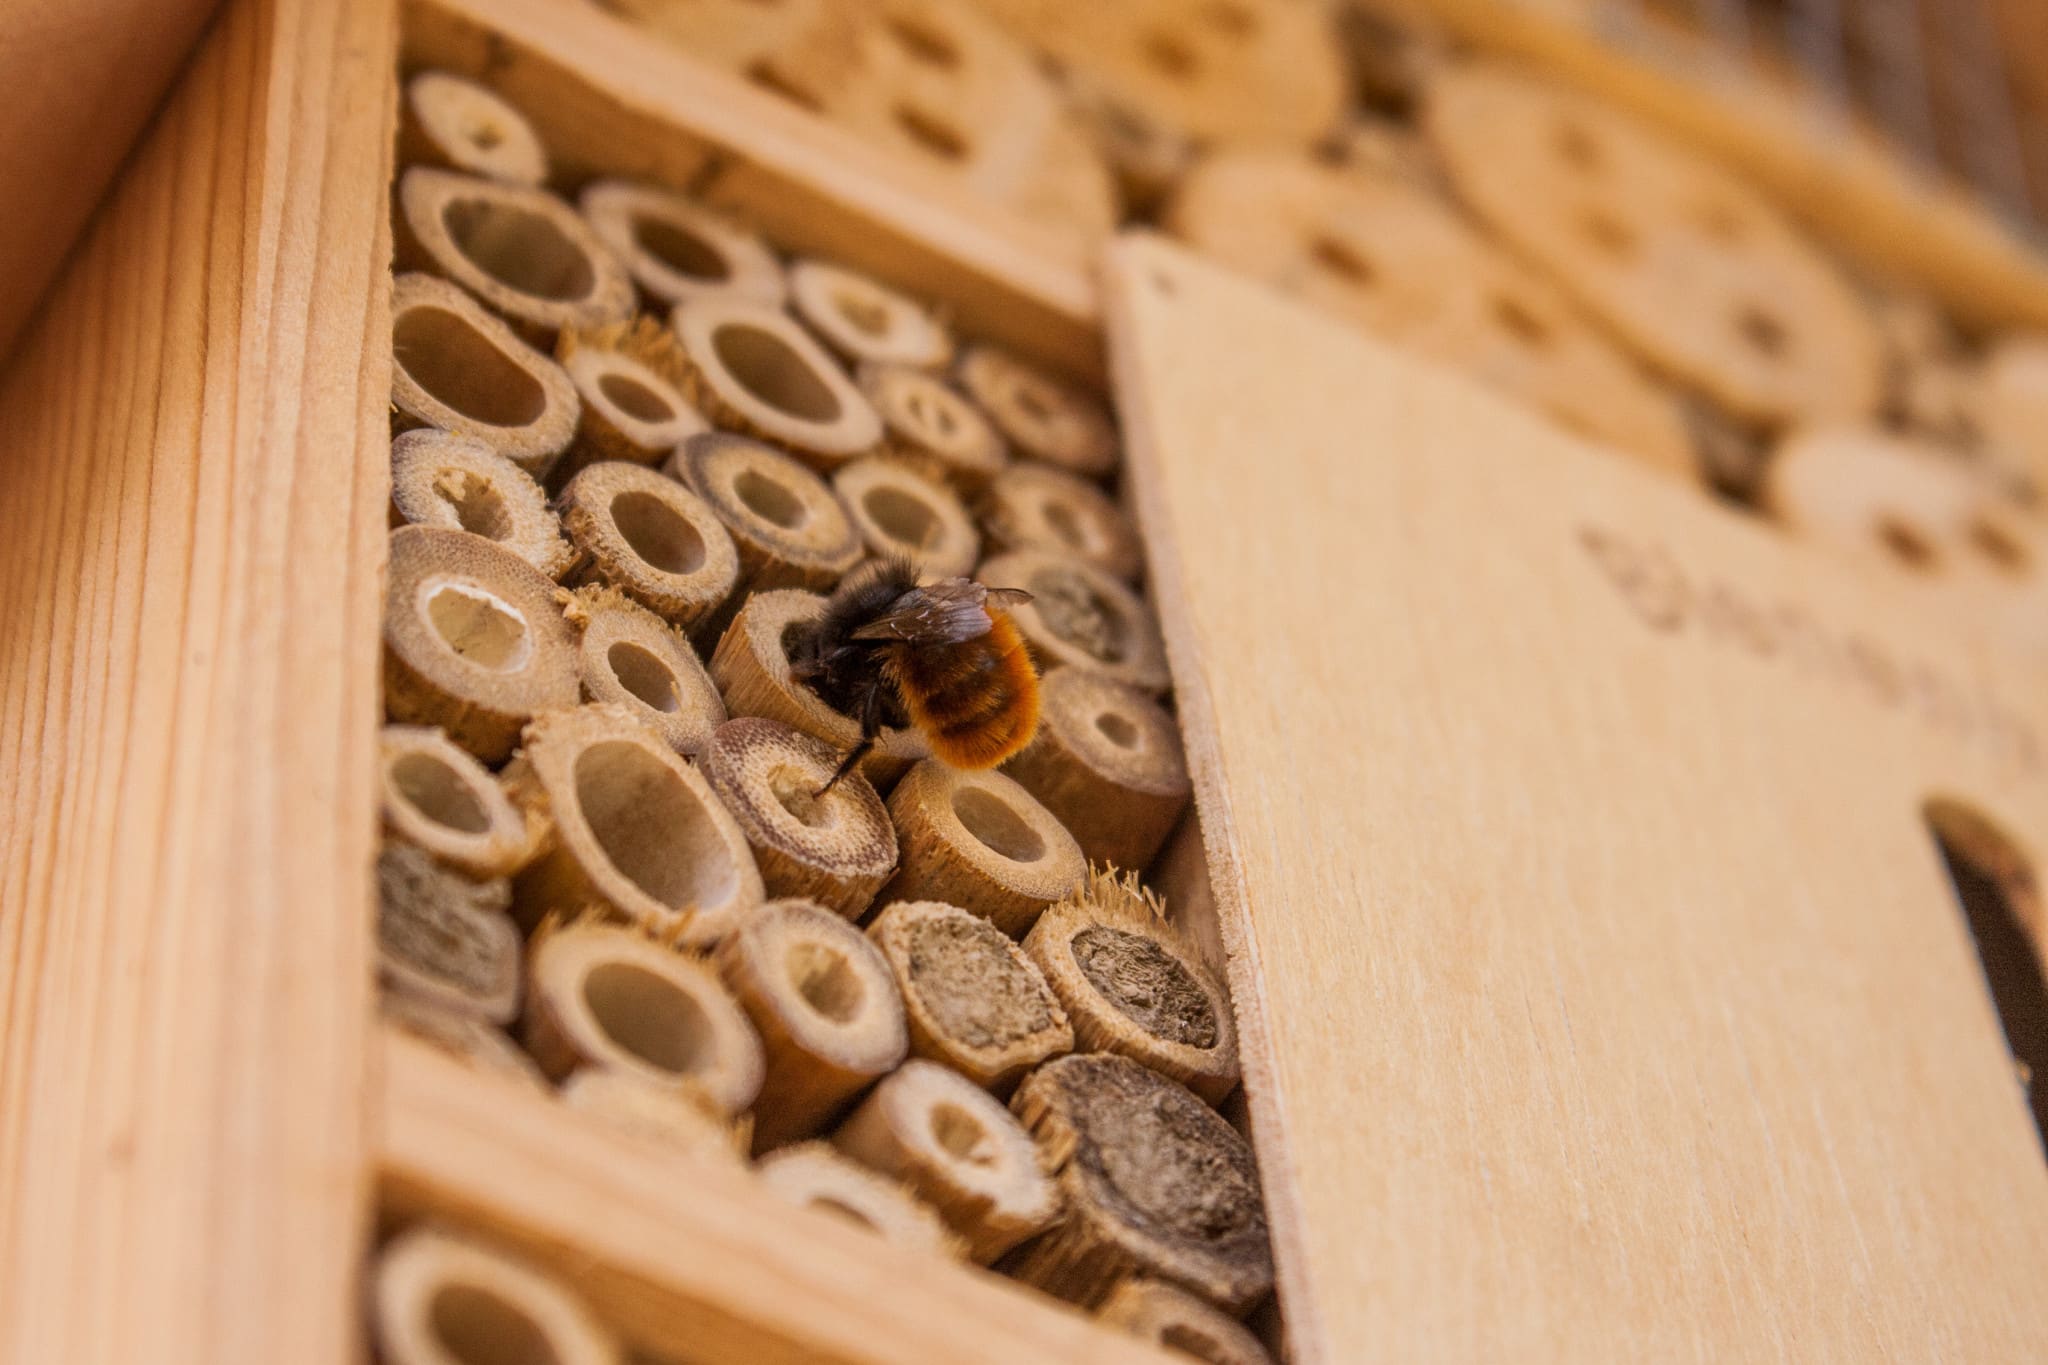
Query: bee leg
x=870, y=727
x=846, y=765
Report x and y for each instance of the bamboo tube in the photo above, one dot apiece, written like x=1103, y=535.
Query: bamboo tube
x=957, y=1149
x=677, y=250
x=607, y=997
x=445, y=937
x=1043, y=417
x=634, y=829
x=865, y=320
x=902, y=514
x=929, y=424
x=1176, y=1319
x=978, y=840
x=437, y=797
x=459, y=125
x=971, y=998
x=630, y=378
x=1156, y=1185
x=1107, y=762
x=1134, y=984
x=790, y=529
x=473, y=640
x=681, y=1116
x=1037, y=507
x=1081, y=617
x=825, y=1006
x=459, y=483
x=455, y=367
x=810, y=1175
x=438, y=1299
x=1147, y=157
x=836, y=849
x=524, y=253
x=474, y=1041
x=754, y=371
x=651, y=538
x=631, y=658
x=751, y=668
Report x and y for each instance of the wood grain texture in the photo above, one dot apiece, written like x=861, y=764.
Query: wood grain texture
x=81, y=78
x=194, y=441
x=1602, y=994
x=690, y=1258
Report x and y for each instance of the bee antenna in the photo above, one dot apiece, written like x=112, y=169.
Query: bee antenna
x=846, y=765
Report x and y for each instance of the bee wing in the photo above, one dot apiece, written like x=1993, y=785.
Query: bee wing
x=943, y=613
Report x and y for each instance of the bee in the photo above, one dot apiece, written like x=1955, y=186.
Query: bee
x=944, y=658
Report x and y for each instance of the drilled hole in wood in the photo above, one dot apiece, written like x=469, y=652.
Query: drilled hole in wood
x=519, y=248
x=478, y=506
x=826, y=980
x=901, y=516
x=647, y=1016
x=651, y=827
x=1169, y=54
x=1341, y=260
x=657, y=532
x=1608, y=233
x=996, y=826
x=772, y=371
x=1578, y=148
x=1906, y=544
x=1520, y=323
x=1762, y=329
x=774, y=80
x=681, y=250
x=931, y=133
x=1117, y=729
x=961, y=1135
x=643, y=674
x=477, y=1327
x=1998, y=545
x=634, y=398
x=459, y=366
x=436, y=790
x=921, y=41
x=769, y=500
x=479, y=626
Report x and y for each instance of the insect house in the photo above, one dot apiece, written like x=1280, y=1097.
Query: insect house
x=1032, y=682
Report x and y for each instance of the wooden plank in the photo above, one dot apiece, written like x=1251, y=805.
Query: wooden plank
x=1603, y=996
x=193, y=432
x=81, y=78
x=604, y=94
x=690, y=1259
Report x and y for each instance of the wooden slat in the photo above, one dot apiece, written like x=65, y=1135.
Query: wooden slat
x=1602, y=993
x=689, y=1259
x=193, y=435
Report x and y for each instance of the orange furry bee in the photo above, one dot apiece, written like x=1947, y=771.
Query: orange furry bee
x=945, y=658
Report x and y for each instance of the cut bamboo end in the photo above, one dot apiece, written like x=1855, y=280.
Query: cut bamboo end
x=755, y=371
x=436, y=796
x=455, y=367
x=751, y=667
x=609, y=998
x=1081, y=617
x=458, y=483
x=1129, y=1149
x=469, y=1038
x=959, y=1150
x=630, y=378
x=790, y=529
x=826, y=1008
x=445, y=937
x=1107, y=761
x=473, y=640
x=632, y=659
x=1035, y=507
x=971, y=998
x=980, y=841
x=902, y=514
x=438, y=1299
x=677, y=250
x=459, y=125
x=1136, y=985
x=865, y=320
x=520, y=250
x=1177, y=1320
x=634, y=830
x=1043, y=417
x=811, y=1175
x=836, y=849
x=648, y=536
x=931, y=425
x=681, y=1117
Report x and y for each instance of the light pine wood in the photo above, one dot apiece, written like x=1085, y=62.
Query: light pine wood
x=194, y=434
x=690, y=1257
x=1601, y=992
